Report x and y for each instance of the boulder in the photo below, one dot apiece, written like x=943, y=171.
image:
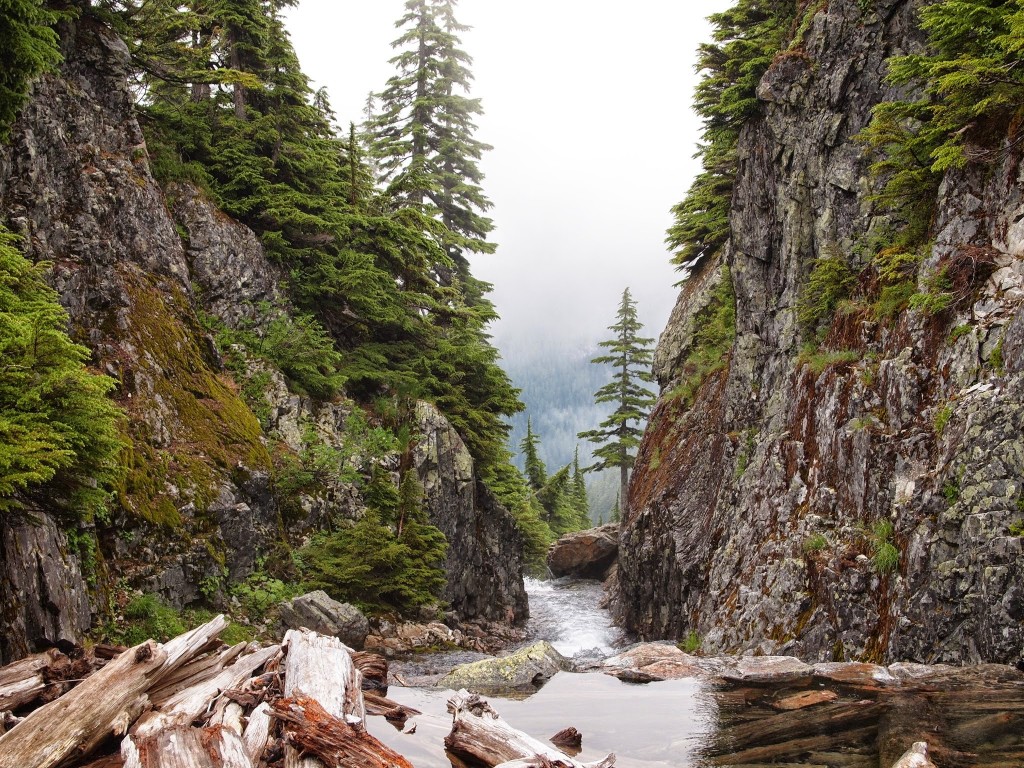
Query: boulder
x=522, y=671
x=585, y=554
x=325, y=616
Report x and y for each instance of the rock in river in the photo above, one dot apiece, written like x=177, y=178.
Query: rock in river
x=585, y=554
x=318, y=612
x=524, y=671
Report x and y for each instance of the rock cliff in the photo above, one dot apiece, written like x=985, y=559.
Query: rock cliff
x=759, y=505
x=143, y=271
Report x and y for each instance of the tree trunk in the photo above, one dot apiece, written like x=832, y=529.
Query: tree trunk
x=183, y=747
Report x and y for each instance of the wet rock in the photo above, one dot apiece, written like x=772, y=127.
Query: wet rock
x=649, y=662
x=320, y=613
x=851, y=673
x=522, y=671
x=767, y=670
x=586, y=554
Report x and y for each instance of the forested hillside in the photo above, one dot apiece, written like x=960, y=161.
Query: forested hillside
x=278, y=364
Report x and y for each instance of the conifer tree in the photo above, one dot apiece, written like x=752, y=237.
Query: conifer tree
x=58, y=430
x=425, y=147
x=579, y=488
x=630, y=356
x=28, y=47
x=533, y=467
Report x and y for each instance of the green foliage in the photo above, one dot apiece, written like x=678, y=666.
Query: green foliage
x=819, y=361
x=747, y=36
x=59, y=433
x=28, y=47
x=959, y=332
x=830, y=282
x=536, y=472
x=995, y=358
x=147, y=617
x=691, y=643
x=260, y=592
x=713, y=339
x=1017, y=528
x=390, y=560
x=951, y=491
x=814, y=543
x=937, y=296
x=629, y=355
x=973, y=89
x=885, y=556
x=942, y=417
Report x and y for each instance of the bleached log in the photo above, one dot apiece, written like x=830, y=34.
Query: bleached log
x=105, y=703
x=194, y=672
x=23, y=681
x=321, y=668
x=228, y=714
x=181, y=747
x=257, y=732
x=187, y=705
x=479, y=735
x=333, y=741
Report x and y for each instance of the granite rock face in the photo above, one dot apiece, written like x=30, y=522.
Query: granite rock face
x=484, y=563
x=585, y=554
x=757, y=526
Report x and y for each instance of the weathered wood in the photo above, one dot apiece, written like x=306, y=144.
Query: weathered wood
x=181, y=747
x=824, y=718
x=106, y=703
x=321, y=668
x=257, y=732
x=196, y=671
x=539, y=761
x=228, y=714
x=41, y=678
x=381, y=706
x=311, y=729
x=185, y=706
x=374, y=669
x=480, y=736
x=568, y=739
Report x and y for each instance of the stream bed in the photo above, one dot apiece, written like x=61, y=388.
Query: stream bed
x=842, y=716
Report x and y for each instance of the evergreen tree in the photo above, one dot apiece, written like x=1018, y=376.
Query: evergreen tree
x=619, y=435
x=746, y=38
x=59, y=433
x=425, y=148
x=536, y=472
x=579, y=489
x=28, y=47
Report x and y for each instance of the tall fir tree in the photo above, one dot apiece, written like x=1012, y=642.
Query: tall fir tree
x=619, y=435
x=28, y=47
x=425, y=147
x=579, y=488
x=533, y=467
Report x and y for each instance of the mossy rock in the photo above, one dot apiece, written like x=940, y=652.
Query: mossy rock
x=522, y=671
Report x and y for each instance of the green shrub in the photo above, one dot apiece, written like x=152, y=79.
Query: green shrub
x=691, y=643
x=819, y=361
x=147, y=617
x=712, y=340
x=942, y=417
x=1017, y=528
x=260, y=593
x=830, y=282
x=885, y=556
x=814, y=543
x=951, y=491
x=959, y=332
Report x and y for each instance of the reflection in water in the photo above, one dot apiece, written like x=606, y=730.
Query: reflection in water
x=659, y=725
x=970, y=717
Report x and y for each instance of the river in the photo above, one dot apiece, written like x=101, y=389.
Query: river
x=970, y=717
x=647, y=726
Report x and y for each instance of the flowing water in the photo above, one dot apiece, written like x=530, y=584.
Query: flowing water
x=970, y=718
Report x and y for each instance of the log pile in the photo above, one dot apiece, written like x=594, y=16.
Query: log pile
x=194, y=703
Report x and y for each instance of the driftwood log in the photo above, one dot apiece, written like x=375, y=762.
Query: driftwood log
x=479, y=735
x=182, y=747
x=106, y=703
x=188, y=703
x=312, y=730
x=41, y=678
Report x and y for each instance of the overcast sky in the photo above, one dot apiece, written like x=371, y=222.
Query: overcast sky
x=587, y=105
